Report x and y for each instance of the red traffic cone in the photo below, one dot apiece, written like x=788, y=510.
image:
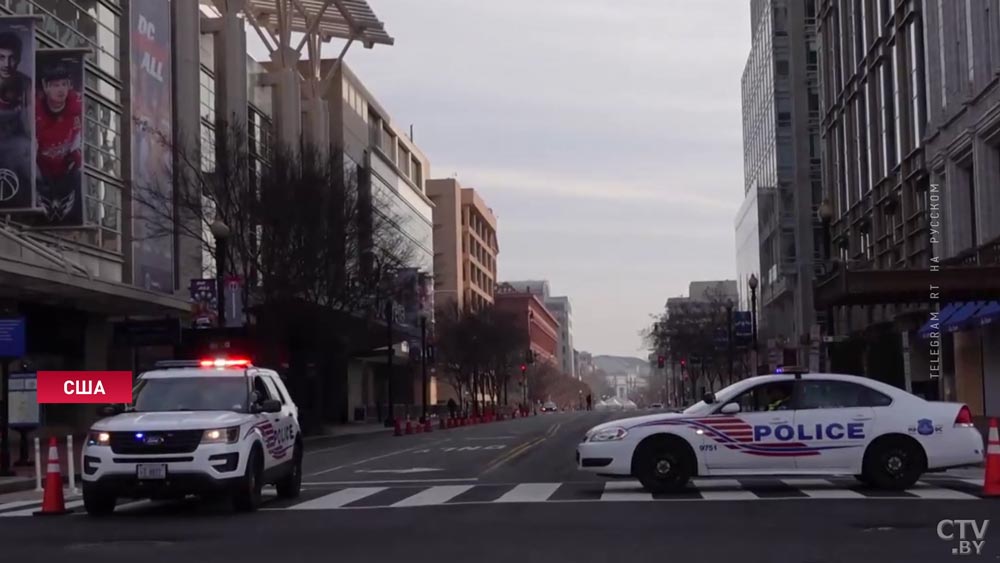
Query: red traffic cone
x=53, y=504
x=991, y=482
x=397, y=430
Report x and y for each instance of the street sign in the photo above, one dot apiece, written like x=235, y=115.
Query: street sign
x=148, y=332
x=24, y=412
x=12, y=337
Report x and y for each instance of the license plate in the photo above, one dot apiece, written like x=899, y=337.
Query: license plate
x=151, y=470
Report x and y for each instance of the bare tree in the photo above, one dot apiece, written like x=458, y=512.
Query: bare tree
x=317, y=249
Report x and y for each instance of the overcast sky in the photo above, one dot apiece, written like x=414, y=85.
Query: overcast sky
x=605, y=135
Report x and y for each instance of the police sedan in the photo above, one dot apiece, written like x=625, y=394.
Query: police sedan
x=790, y=423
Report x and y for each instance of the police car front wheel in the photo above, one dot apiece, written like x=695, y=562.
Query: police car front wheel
x=290, y=485
x=97, y=503
x=663, y=465
x=248, y=493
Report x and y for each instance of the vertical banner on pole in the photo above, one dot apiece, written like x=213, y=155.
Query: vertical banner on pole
x=152, y=157
x=17, y=114
x=59, y=123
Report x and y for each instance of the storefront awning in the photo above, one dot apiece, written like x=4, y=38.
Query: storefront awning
x=988, y=314
x=963, y=317
x=847, y=287
x=934, y=324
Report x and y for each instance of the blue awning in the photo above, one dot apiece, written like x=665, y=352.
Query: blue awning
x=962, y=318
x=990, y=313
x=935, y=325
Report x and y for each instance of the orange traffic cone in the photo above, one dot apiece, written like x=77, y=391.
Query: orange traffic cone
x=53, y=503
x=991, y=482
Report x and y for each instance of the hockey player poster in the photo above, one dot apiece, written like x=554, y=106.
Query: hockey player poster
x=59, y=122
x=17, y=116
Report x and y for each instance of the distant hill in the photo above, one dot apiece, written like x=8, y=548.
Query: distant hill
x=620, y=364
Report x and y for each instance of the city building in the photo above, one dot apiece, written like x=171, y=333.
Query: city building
x=540, y=325
x=777, y=222
x=465, y=246
x=909, y=106
x=161, y=78
x=563, y=311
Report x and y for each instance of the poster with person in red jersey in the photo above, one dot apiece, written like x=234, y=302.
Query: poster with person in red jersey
x=59, y=122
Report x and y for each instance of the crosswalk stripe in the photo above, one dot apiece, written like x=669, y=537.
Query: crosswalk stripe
x=804, y=483
x=337, y=499
x=32, y=510
x=434, y=495
x=530, y=492
x=16, y=504
x=625, y=491
x=833, y=493
x=924, y=490
x=976, y=482
x=735, y=494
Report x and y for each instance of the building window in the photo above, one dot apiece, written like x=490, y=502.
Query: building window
x=860, y=132
x=941, y=51
x=872, y=118
x=916, y=87
x=897, y=105
x=863, y=24
x=969, y=45
x=888, y=152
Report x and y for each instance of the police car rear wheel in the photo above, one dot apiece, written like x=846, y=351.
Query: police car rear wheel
x=663, y=467
x=248, y=494
x=894, y=464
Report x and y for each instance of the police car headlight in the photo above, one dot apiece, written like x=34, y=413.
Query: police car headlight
x=609, y=434
x=221, y=435
x=98, y=439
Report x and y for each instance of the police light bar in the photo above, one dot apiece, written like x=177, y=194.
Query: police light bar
x=225, y=363
x=795, y=370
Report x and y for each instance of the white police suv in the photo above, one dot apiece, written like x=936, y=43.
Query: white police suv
x=790, y=423
x=210, y=427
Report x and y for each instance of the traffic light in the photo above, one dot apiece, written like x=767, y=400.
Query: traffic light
x=684, y=363
x=524, y=368
x=660, y=362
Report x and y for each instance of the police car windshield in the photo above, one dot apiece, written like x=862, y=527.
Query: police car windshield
x=191, y=394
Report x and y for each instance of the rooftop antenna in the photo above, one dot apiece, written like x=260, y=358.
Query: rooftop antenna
x=411, y=132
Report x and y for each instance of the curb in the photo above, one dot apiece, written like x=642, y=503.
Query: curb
x=28, y=484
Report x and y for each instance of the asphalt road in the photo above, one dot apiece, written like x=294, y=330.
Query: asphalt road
x=450, y=490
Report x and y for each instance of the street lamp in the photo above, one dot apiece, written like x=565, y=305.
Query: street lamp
x=221, y=232
x=752, y=282
x=729, y=332
x=825, y=214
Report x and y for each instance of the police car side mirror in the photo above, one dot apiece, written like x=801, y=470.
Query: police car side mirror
x=271, y=405
x=708, y=397
x=730, y=408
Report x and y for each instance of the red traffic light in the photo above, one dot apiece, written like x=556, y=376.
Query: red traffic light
x=524, y=368
x=683, y=362
x=660, y=362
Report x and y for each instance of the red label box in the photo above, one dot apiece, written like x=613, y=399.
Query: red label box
x=84, y=387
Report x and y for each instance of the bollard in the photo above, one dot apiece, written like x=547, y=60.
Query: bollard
x=38, y=466
x=70, y=465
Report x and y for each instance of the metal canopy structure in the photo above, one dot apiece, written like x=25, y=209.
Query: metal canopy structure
x=352, y=20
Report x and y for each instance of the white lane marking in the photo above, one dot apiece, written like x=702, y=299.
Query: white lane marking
x=728, y=495
x=374, y=481
x=434, y=495
x=924, y=490
x=490, y=438
x=625, y=491
x=30, y=511
x=376, y=458
x=324, y=450
x=337, y=499
x=716, y=484
x=400, y=471
x=976, y=482
x=530, y=492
